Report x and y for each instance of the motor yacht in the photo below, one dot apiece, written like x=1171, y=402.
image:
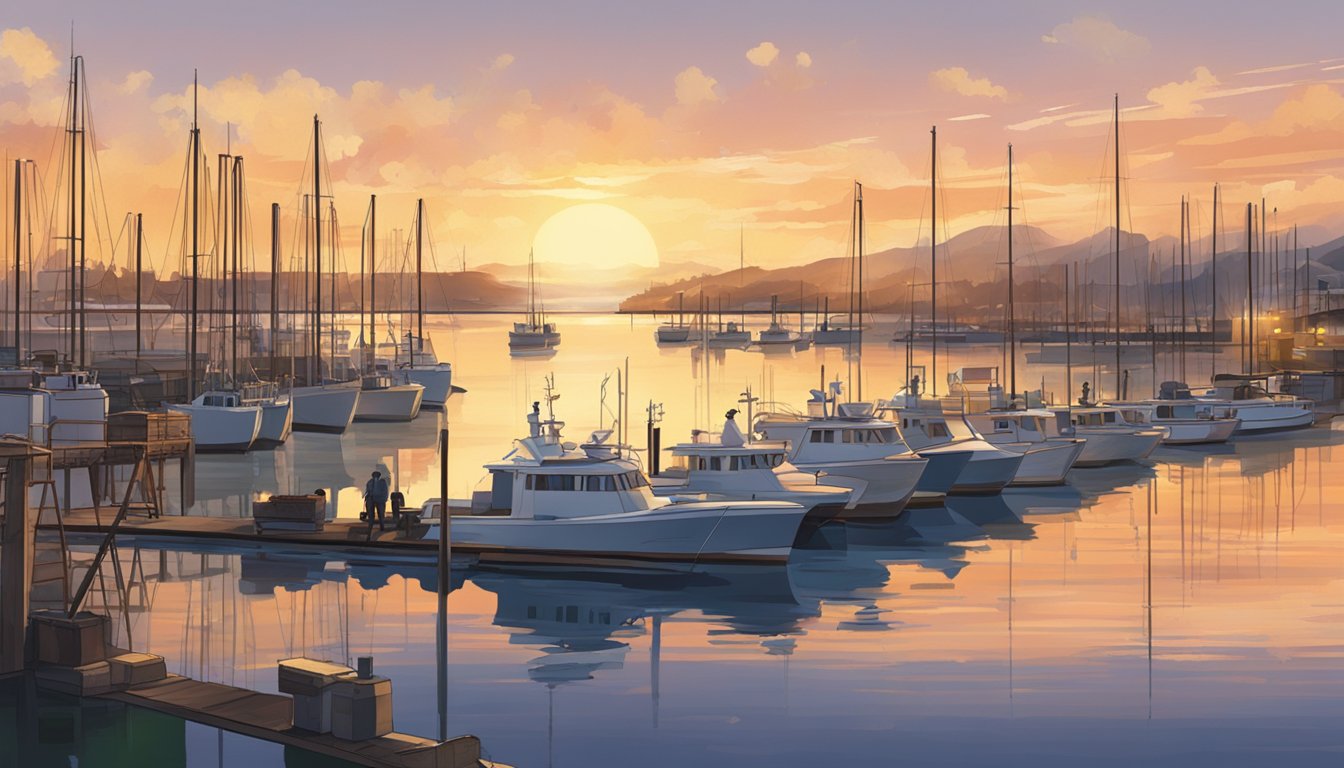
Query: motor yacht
x=1188, y=421
x=1045, y=460
x=1110, y=438
x=1259, y=410
x=847, y=445
x=730, y=466
x=549, y=499
x=929, y=432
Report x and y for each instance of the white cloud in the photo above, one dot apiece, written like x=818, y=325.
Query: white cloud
x=1099, y=38
x=24, y=57
x=1181, y=99
x=764, y=54
x=965, y=118
x=694, y=86
x=135, y=82
x=959, y=80
x=803, y=59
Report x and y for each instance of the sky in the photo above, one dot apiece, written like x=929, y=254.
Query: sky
x=701, y=119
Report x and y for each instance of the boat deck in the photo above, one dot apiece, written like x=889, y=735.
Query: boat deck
x=269, y=717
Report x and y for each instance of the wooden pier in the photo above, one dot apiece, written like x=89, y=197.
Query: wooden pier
x=269, y=717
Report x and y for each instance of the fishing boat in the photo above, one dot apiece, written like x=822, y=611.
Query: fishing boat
x=1259, y=410
x=1187, y=421
x=1110, y=438
x=849, y=446
x=928, y=431
x=383, y=397
x=732, y=466
x=221, y=422
x=549, y=499
x=326, y=408
x=534, y=333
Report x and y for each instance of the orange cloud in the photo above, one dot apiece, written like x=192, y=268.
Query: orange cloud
x=958, y=80
x=24, y=57
x=764, y=54
x=693, y=87
x=1099, y=38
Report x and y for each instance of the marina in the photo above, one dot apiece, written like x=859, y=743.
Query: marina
x=865, y=443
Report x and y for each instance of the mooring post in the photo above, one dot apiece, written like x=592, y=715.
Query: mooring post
x=16, y=555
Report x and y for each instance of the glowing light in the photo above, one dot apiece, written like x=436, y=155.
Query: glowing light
x=595, y=235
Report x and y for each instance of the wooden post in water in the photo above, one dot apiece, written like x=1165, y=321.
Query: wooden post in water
x=16, y=558
x=445, y=583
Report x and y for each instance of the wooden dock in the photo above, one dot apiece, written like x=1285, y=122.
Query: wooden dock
x=269, y=717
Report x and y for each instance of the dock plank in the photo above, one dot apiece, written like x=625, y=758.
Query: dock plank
x=269, y=717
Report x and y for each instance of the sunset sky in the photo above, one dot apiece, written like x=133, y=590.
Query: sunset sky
x=702, y=118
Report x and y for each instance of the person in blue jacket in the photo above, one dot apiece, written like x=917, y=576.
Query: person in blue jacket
x=375, y=499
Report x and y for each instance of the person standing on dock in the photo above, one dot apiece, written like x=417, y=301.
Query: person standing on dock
x=375, y=499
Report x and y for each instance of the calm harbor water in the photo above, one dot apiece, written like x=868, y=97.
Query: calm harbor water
x=1190, y=612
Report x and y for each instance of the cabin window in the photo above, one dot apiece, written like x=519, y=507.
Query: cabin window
x=622, y=484
x=592, y=483
x=733, y=462
x=885, y=436
x=1110, y=417
x=938, y=430
x=636, y=479
x=1164, y=412
x=1002, y=424
x=715, y=463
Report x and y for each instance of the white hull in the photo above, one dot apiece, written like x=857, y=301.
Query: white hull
x=689, y=532
x=882, y=487
x=989, y=470
x=1197, y=431
x=324, y=409
x=217, y=429
x=277, y=420
x=1259, y=418
x=396, y=403
x=437, y=381
x=1108, y=446
x=672, y=334
x=1045, y=463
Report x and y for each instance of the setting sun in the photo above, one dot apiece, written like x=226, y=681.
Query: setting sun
x=595, y=235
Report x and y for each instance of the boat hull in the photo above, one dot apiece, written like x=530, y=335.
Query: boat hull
x=437, y=381
x=1109, y=447
x=396, y=403
x=1045, y=463
x=277, y=421
x=216, y=429
x=695, y=532
x=1197, y=431
x=533, y=340
x=1258, y=420
x=673, y=334
x=328, y=410
x=883, y=487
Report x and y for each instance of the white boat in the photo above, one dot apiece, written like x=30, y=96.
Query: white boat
x=1188, y=421
x=328, y=408
x=221, y=423
x=417, y=361
x=551, y=500
x=732, y=335
x=78, y=407
x=1259, y=410
x=1045, y=460
x=675, y=332
x=733, y=467
x=534, y=332
x=382, y=398
x=776, y=335
x=277, y=421
x=850, y=447
x=929, y=432
x=1110, y=438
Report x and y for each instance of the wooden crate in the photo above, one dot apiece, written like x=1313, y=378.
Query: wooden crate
x=291, y=513
x=148, y=426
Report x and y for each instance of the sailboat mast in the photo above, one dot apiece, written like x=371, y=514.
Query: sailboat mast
x=195, y=240
x=858, y=290
x=315, y=363
x=419, y=269
x=933, y=252
x=139, y=280
x=1250, y=289
x=237, y=235
x=275, y=285
x=373, y=278
x=1012, y=307
x=1118, y=373
x=1213, y=283
x=1185, y=231
x=18, y=259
